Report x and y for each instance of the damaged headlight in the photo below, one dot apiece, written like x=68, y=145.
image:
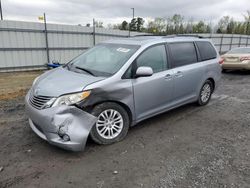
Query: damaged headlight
x=71, y=98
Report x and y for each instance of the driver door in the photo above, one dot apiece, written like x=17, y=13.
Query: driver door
x=153, y=94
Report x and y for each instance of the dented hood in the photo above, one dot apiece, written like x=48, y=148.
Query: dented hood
x=61, y=81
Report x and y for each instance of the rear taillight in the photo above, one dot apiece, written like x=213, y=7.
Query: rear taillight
x=221, y=61
x=245, y=58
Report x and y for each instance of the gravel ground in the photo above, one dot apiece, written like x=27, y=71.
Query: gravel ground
x=187, y=147
x=16, y=84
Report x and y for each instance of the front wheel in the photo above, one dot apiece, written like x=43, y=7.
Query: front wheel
x=112, y=123
x=205, y=93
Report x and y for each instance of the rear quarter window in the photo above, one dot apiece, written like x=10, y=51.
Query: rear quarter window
x=206, y=50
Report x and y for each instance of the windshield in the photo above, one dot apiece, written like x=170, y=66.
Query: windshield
x=103, y=59
x=239, y=51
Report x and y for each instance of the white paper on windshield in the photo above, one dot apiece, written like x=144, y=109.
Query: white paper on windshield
x=124, y=50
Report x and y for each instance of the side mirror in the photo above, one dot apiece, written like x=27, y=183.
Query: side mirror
x=144, y=72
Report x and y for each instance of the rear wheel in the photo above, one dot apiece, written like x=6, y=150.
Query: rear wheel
x=205, y=93
x=112, y=123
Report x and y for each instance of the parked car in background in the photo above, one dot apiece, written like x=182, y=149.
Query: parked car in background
x=117, y=84
x=237, y=58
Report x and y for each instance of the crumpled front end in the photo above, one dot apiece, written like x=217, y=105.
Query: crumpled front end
x=64, y=126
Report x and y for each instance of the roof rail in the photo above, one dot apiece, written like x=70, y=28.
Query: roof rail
x=169, y=36
x=147, y=35
x=183, y=35
x=189, y=35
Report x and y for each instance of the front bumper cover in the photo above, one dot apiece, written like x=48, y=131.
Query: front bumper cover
x=74, y=122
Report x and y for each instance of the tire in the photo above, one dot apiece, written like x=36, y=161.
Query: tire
x=204, y=97
x=106, y=120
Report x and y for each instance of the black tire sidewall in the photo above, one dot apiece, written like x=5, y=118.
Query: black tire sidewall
x=126, y=122
x=200, y=102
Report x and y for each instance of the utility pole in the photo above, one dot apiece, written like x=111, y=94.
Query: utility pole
x=129, y=27
x=1, y=11
x=133, y=9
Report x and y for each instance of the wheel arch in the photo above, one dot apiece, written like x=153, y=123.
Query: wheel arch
x=213, y=82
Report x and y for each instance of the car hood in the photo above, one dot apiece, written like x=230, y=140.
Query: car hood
x=61, y=81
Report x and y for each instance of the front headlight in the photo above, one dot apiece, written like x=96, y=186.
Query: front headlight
x=71, y=98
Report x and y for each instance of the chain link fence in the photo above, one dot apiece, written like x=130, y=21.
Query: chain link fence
x=28, y=46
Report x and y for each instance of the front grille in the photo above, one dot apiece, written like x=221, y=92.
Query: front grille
x=38, y=101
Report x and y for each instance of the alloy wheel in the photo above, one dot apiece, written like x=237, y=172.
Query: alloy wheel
x=109, y=124
x=206, y=92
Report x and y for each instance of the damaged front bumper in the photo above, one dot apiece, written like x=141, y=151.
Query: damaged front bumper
x=64, y=126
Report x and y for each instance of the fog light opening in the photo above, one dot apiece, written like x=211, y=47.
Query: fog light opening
x=62, y=133
x=66, y=137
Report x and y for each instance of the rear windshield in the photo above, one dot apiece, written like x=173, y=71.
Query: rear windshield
x=206, y=50
x=239, y=51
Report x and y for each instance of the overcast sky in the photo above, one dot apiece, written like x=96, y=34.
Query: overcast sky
x=115, y=11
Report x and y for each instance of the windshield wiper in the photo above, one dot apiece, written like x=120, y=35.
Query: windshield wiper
x=67, y=65
x=86, y=70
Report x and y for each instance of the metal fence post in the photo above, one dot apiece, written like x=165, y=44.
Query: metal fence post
x=46, y=38
x=129, y=25
x=221, y=41
x=247, y=41
x=231, y=41
x=94, y=32
x=239, y=41
x=211, y=34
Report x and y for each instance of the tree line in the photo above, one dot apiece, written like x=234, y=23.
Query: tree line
x=177, y=24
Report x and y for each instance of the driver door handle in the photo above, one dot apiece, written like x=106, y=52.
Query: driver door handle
x=168, y=77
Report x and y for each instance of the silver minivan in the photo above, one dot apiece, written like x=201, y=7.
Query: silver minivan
x=118, y=83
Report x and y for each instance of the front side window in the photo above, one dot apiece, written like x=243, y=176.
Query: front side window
x=104, y=59
x=154, y=57
x=182, y=54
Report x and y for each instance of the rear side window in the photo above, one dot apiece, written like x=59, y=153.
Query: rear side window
x=206, y=50
x=182, y=53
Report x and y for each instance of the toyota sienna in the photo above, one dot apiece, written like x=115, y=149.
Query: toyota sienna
x=118, y=83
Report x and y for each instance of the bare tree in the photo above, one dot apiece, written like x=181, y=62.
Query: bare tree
x=247, y=20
